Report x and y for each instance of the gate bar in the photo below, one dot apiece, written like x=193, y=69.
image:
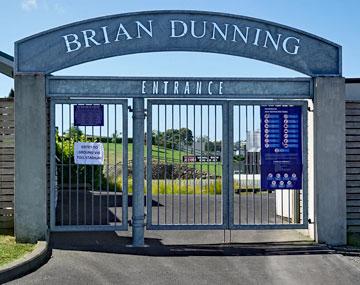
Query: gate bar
x=138, y=173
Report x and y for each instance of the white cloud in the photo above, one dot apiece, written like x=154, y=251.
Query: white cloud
x=29, y=5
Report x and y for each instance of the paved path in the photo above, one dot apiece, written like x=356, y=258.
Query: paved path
x=185, y=209
x=103, y=258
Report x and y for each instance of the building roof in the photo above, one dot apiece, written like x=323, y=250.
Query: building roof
x=6, y=64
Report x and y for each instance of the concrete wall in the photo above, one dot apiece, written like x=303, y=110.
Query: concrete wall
x=329, y=157
x=31, y=153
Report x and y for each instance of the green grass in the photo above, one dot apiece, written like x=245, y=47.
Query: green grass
x=160, y=154
x=176, y=188
x=10, y=250
x=353, y=239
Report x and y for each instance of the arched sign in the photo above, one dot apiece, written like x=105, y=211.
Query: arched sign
x=156, y=31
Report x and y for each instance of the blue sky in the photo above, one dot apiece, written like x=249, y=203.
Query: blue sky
x=335, y=20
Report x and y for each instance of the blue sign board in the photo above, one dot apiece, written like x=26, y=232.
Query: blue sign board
x=88, y=115
x=281, y=148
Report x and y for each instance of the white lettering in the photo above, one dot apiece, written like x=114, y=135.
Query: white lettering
x=198, y=87
x=90, y=37
x=165, y=86
x=176, y=87
x=74, y=41
x=269, y=36
x=296, y=47
x=105, y=35
x=122, y=32
x=209, y=87
x=140, y=25
x=173, y=30
x=255, y=43
x=143, y=87
x=187, y=88
x=221, y=33
x=155, y=87
x=193, y=30
x=221, y=87
x=239, y=32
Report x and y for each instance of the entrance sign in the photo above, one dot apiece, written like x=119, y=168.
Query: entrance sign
x=184, y=87
x=89, y=153
x=196, y=31
x=281, y=147
x=88, y=115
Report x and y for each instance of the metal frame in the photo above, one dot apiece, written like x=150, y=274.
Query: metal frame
x=117, y=227
x=304, y=106
x=227, y=177
x=225, y=164
x=124, y=87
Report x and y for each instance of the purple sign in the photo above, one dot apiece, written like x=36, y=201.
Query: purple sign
x=281, y=148
x=88, y=115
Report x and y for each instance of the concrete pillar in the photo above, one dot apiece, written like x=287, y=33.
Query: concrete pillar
x=30, y=158
x=138, y=173
x=329, y=160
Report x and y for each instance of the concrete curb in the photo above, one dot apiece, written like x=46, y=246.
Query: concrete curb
x=26, y=264
x=346, y=250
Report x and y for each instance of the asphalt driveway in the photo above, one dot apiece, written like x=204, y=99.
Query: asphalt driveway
x=104, y=258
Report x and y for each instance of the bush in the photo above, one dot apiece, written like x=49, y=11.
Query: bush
x=65, y=153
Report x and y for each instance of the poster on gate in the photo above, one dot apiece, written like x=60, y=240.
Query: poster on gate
x=281, y=147
x=89, y=153
x=89, y=115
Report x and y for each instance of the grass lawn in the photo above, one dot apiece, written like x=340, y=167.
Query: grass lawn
x=158, y=154
x=10, y=250
x=353, y=239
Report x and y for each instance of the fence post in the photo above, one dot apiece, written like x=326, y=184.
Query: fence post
x=138, y=173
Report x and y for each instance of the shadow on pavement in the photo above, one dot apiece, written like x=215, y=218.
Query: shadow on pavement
x=110, y=242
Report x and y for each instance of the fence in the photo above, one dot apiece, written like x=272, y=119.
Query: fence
x=353, y=166
x=7, y=163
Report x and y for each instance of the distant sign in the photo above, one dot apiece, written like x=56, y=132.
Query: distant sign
x=89, y=115
x=89, y=153
x=281, y=148
x=199, y=158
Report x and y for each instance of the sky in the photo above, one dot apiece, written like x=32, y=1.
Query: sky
x=334, y=20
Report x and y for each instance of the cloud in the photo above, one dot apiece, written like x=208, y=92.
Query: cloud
x=29, y=5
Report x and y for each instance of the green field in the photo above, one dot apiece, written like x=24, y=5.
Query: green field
x=113, y=151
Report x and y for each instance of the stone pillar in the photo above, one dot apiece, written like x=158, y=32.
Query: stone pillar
x=30, y=158
x=329, y=160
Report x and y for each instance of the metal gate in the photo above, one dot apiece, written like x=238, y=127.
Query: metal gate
x=203, y=168
x=89, y=197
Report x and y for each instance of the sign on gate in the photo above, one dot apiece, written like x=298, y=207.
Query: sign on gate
x=281, y=150
x=199, y=158
x=89, y=153
x=89, y=115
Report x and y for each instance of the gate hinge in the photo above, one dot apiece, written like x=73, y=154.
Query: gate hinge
x=131, y=110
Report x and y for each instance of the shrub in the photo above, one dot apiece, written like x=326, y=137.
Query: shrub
x=65, y=154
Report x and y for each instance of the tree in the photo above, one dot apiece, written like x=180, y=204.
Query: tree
x=177, y=137
x=116, y=137
x=75, y=133
x=186, y=136
x=11, y=93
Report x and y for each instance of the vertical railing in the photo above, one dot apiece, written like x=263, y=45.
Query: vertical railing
x=87, y=197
